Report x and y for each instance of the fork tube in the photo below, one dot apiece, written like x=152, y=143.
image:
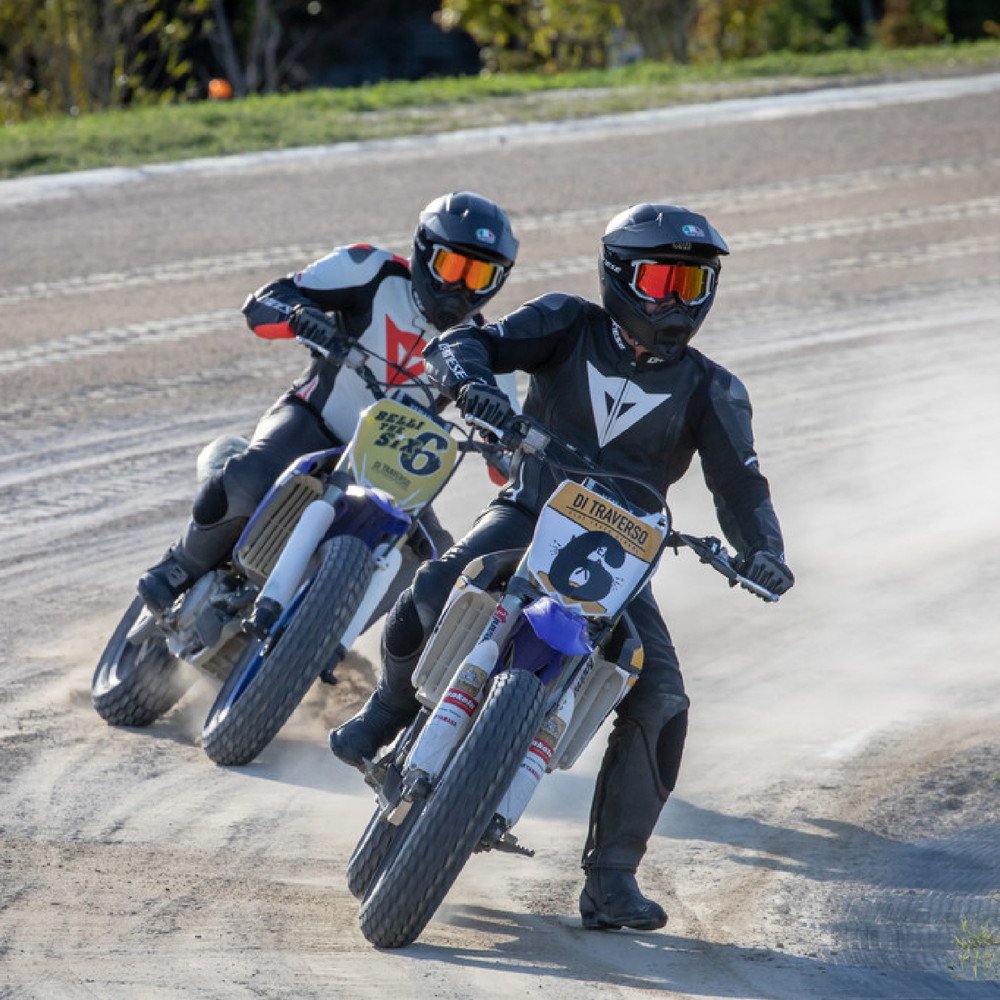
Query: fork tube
x=537, y=760
x=452, y=716
x=291, y=565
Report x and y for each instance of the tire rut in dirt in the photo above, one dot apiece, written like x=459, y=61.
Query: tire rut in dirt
x=407, y=893
x=236, y=731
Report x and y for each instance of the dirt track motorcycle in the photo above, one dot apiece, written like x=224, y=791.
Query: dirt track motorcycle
x=306, y=577
x=530, y=655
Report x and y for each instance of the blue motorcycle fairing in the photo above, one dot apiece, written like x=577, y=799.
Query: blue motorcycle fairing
x=561, y=628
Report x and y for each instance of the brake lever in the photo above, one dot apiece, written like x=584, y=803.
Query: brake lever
x=341, y=349
x=486, y=429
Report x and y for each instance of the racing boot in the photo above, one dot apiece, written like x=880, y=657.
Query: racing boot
x=393, y=704
x=384, y=716
x=201, y=548
x=611, y=899
x=636, y=777
x=390, y=709
x=163, y=583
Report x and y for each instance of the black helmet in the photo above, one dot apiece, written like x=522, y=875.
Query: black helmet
x=659, y=268
x=463, y=250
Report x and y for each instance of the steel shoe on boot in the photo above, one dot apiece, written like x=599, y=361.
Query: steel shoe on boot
x=376, y=725
x=163, y=583
x=611, y=899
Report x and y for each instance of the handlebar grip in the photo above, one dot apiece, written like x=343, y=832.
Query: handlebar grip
x=711, y=551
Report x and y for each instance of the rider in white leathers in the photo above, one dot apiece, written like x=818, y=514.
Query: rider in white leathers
x=463, y=251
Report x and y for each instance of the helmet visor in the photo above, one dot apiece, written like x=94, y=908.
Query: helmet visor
x=450, y=267
x=653, y=280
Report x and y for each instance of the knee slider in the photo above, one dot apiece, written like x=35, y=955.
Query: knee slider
x=670, y=749
x=404, y=631
x=211, y=504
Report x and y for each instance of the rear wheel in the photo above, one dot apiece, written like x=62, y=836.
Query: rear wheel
x=273, y=677
x=137, y=678
x=426, y=862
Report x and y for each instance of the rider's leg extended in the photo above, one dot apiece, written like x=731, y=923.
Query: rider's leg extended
x=637, y=775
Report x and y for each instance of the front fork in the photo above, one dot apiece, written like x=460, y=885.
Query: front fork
x=286, y=577
x=452, y=716
x=544, y=745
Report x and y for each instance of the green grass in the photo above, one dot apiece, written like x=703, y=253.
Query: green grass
x=978, y=954
x=319, y=117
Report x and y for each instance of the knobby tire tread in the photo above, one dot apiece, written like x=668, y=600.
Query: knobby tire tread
x=307, y=645
x=369, y=854
x=411, y=887
x=130, y=692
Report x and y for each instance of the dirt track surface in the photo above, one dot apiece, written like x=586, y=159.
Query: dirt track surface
x=838, y=812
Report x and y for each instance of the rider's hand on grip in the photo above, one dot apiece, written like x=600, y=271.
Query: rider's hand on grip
x=312, y=324
x=488, y=403
x=767, y=570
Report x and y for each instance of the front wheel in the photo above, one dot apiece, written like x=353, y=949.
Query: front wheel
x=137, y=678
x=273, y=677
x=424, y=866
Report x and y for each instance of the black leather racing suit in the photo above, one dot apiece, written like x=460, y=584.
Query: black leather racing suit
x=645, y=418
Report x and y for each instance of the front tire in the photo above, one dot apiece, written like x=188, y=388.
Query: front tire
x=272, y=678
x=424, y=866
x=137, y=680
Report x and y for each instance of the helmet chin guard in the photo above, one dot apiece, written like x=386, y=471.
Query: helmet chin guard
x=658, y=269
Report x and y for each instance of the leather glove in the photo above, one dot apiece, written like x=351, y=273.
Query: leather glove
x=319, y=328
x=488, y=403
x=768, y=570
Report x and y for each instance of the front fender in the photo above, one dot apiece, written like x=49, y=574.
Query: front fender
x=544, y=634
x=561, y=628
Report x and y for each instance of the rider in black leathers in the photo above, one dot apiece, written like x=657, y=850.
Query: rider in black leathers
x=620, y=384
x=463, y=251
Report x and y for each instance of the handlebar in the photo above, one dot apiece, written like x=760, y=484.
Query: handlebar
x=352, y=354
x=522, y=432
x=712, y=552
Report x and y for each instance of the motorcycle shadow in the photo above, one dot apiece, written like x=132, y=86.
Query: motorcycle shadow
x=304, y=761
x=556, y=947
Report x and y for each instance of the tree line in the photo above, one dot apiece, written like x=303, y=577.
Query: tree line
x=80, y=56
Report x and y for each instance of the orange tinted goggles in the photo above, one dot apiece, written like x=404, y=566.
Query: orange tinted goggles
x=449, y=267
x=653, y=280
